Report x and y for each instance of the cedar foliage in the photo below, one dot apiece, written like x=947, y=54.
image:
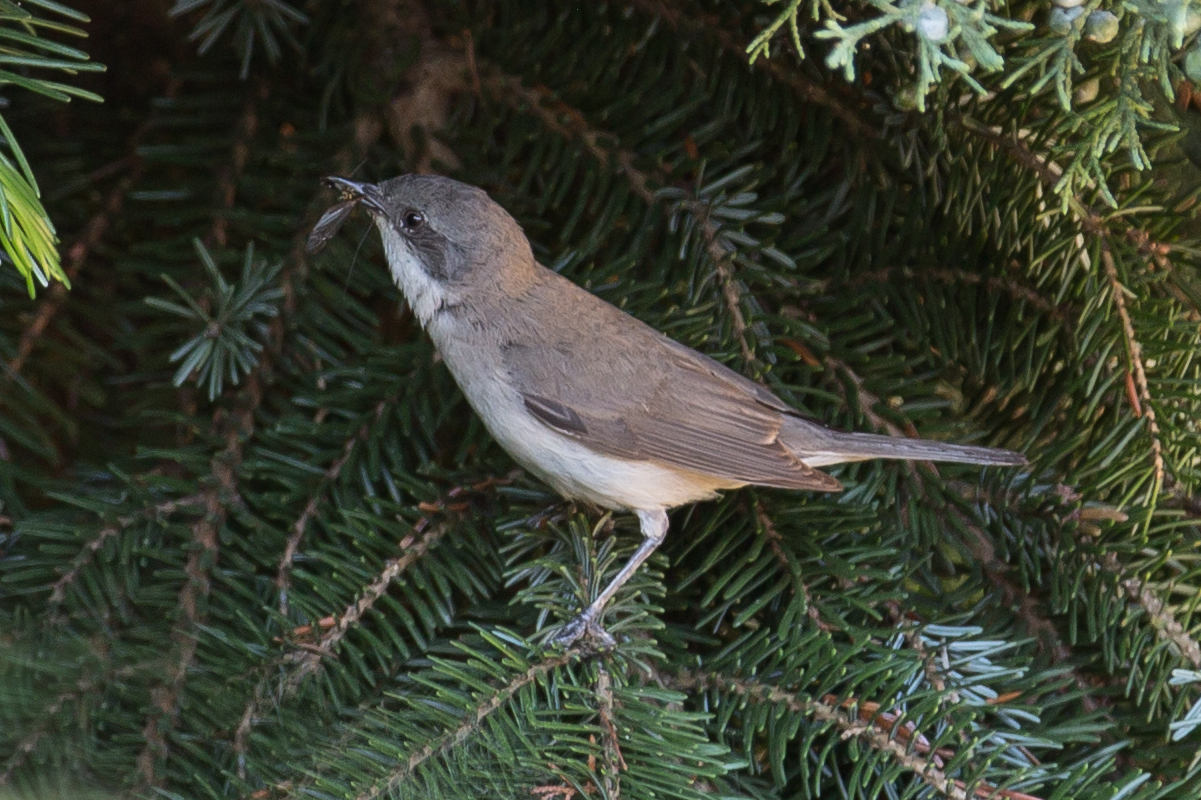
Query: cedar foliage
x=254, y=544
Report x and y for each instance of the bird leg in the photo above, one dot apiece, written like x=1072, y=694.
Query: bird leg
x=654, y=531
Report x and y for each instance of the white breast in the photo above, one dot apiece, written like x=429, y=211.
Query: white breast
x=572, y=469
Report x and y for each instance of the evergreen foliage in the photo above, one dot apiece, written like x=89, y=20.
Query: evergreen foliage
x=27, y=235
x=254, y=544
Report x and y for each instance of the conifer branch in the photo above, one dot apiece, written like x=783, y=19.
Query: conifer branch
x=913, y=638
x=1094, y=224
x=1062, y=315
x=45, y=722
x=471, y=722
x=1012, y=594
x=59, y=587
x=866, y=401
x=772, y=536
x=414, y=548
x=866, y=405
x=1135, y=353
x=201, y=559
x=722, y=262
x=570, y=123
x=805, y=89
x=615, y=762
x=310, y=659
x=1163, y=621
x=1050, y=173
x=92, y=235
x=877, y=730
x=284, y=571
x=552, y=113
x=217, y=492
x=77, y=254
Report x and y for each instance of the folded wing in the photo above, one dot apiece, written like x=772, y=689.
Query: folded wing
x=671, y=406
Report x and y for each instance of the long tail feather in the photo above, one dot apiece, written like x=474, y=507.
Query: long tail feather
x=818, y=447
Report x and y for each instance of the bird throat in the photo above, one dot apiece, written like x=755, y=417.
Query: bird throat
x=426, y=295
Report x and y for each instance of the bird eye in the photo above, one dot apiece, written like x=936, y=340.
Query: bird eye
x=413, y=220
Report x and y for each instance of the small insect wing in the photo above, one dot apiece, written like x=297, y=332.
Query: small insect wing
x=327, y=227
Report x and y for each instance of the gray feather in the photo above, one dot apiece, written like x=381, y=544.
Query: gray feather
x=654, y=399
x=819, y=446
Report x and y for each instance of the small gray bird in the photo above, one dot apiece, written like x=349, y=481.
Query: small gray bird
x=599, y=405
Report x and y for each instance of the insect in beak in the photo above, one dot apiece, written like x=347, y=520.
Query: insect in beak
x=351, y=194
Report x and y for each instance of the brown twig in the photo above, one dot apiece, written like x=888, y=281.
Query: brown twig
x=1134, y=353
x=615, y=762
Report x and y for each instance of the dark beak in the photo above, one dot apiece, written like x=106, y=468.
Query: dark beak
x=366, y=193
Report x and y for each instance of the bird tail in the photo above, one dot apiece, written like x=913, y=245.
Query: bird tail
x=818, y=446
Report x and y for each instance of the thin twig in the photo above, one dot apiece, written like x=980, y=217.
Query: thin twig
x=615, y=762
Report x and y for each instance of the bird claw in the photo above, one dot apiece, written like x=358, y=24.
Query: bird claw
x=584, y=627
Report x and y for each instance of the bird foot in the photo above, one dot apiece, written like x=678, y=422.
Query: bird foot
x=587, y=628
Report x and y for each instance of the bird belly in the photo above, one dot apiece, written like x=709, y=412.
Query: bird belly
x=578, y=472
x=571, y=468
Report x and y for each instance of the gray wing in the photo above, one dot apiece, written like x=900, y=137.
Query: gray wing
x=659, y=401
